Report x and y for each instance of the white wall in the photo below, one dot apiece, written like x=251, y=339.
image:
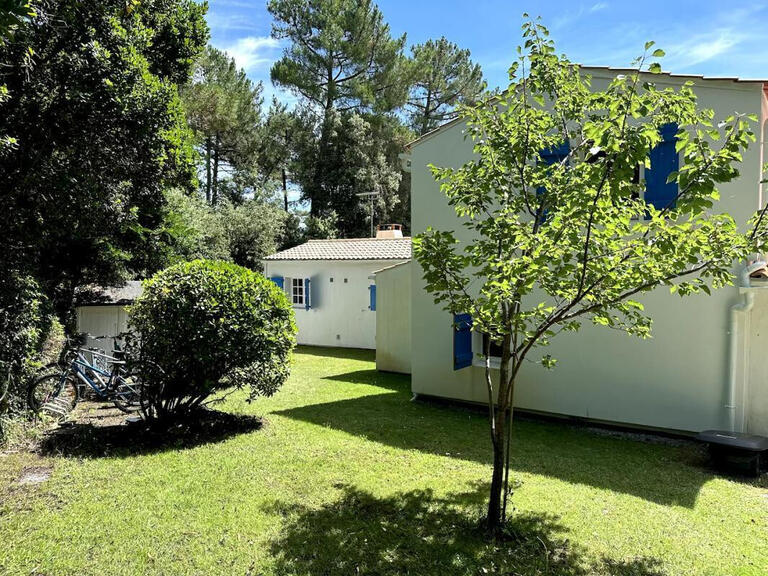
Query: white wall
x=676, y=380
x=340, y=313
x=102, y=321
x=393, y=319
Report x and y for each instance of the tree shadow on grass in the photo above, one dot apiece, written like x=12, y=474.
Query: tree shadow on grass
x=419, y=533
x=90, y=440
x=668, y=475
x=361, y=354
x=388, y=380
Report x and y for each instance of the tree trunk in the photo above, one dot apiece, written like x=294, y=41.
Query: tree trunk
x=208, y=169
x=285, y=190
x=500, y=436
x=215, y=191
x=497, y=479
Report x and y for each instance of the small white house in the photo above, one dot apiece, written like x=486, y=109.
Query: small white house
x=330, y=284
x=704, y=368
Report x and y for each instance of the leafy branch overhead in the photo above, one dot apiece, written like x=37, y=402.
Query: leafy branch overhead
x=561, y=225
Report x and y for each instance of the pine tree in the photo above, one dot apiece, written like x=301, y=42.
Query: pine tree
x=443, y=77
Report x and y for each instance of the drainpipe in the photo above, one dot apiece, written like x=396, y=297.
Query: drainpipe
x=745, y=307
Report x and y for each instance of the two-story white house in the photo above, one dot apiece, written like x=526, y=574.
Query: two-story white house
x=706, y=365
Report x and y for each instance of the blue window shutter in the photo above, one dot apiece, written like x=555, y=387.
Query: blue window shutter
x=550, y=156
x=664, y=161
x=462, y=341
x=307, y=298
x=279, y=281
x=372, y=290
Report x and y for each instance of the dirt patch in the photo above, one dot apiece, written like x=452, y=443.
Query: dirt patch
x=35, y=475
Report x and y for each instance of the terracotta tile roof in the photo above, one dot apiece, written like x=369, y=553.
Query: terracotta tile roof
x=348, y=249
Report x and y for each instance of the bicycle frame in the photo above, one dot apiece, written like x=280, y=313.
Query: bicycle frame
x=80, y=368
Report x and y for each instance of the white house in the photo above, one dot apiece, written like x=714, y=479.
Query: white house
x=706, y=366
x=329, y=283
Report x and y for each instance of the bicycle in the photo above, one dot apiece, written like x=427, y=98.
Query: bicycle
x=60, y=392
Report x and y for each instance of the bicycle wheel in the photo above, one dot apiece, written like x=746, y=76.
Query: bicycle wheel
x=126, y=394
x=56, y=391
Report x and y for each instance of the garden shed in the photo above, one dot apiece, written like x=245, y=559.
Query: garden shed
x=102, y=312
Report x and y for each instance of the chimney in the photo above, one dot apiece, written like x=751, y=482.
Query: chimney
x=389, y=231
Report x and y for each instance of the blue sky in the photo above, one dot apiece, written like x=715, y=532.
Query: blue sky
x=718, y=38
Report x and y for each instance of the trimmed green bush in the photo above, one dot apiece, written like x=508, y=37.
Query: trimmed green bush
x=204, y=326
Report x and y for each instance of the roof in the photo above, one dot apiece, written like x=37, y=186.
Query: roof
x=348, y=249
x=391, y=266
x=611, y=69
x=109, y=295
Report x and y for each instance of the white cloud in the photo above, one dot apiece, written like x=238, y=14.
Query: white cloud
x=598, y=6
x=253, y=53
x=703, y=47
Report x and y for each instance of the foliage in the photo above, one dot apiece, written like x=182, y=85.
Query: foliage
x=275, y=156
x=443, y=78
x=341, y=55
x=223, y=107
x=551, y=245
x=100, y=133
x=25, y=321
x=194, y=230
x=243, y=233
x=355, y=159
x=205, y=326
x=253, y=231
x=350, y=75
x=13, y=13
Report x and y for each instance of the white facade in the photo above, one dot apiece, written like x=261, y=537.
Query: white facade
x=393, y=318
x=680, y=379
x=103, y=324
x=339, y=312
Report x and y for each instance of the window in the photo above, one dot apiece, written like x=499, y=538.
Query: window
x=297, y=291
x=496, y=347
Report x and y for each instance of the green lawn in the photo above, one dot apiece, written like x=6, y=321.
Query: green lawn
x=347, y=476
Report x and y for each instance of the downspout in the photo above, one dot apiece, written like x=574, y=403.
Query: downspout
x=733, y=329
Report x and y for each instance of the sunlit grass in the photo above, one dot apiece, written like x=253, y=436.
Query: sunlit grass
x=347, y=476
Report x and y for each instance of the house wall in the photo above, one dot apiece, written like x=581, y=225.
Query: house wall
x=393, y=319
x=107, y=321
x=676, y=380
x=340, y=314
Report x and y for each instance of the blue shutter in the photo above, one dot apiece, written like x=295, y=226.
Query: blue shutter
x=372, y=291
x=664, y=161
x=462, y=341
x=550, y=156
x=279, y=281
x=307, y=299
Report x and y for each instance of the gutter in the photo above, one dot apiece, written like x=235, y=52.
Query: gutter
x=745, y=307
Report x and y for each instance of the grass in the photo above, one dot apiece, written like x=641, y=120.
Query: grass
x=347, y=476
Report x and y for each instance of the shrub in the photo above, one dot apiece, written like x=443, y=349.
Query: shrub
x=204, y=326
x=25, y=321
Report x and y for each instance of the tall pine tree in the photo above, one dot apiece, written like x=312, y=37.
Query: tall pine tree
x=344, y=64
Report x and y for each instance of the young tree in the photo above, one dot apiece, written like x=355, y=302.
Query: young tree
x=560, y=232
x=443, y=77
x=223, y=107
x=342, y=62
